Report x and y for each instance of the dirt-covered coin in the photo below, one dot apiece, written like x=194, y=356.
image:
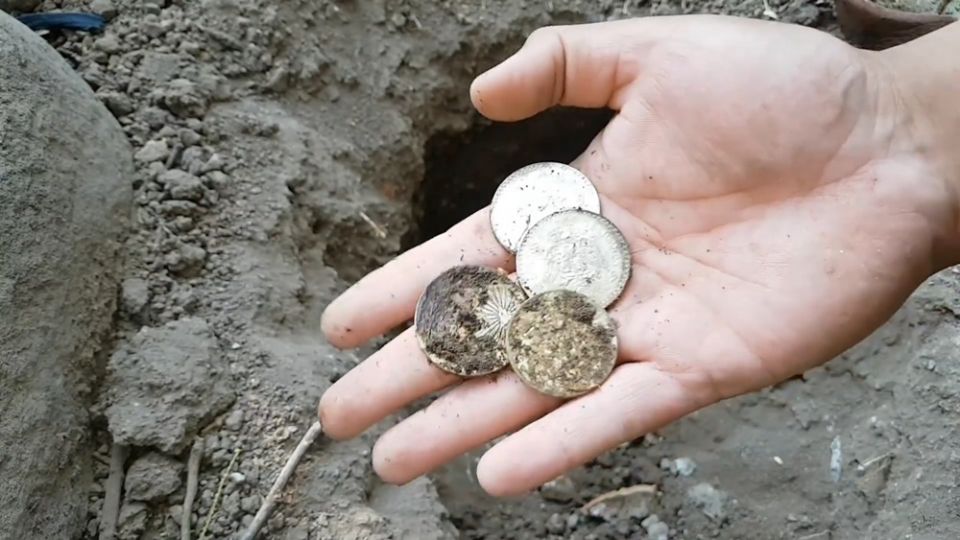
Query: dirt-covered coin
x=533, y=192
x=575, y=250
x=562, y=344
x=462, y=316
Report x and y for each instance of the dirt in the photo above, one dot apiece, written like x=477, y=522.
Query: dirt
x=283, y=150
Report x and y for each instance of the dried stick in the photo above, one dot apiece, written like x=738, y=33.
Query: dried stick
x=268, y=503
x=111, y=492
x=193, y=473
x=218, y=494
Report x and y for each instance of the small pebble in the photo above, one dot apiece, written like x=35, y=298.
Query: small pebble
x=556, y=524
x=153, y=151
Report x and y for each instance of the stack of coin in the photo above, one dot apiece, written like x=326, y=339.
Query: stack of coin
x=551, y=326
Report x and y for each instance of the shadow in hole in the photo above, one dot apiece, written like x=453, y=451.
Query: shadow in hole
x=463, y=169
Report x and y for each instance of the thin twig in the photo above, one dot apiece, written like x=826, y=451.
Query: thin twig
x=268, y=503
x=216, y=497
x=193, y=473
x=111, y=492
x=381, y=232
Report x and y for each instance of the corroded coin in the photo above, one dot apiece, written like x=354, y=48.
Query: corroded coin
x=533, y=192
x=575, y=250
x=562, y=344
x=462, y=316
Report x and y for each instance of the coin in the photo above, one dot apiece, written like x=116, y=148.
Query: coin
x=462, y=316
x=533, y=192
x=561, y=343
x=575, y=250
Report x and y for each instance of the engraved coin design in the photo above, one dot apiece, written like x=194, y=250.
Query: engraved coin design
x=533, y=192
x=575, y=250
x=462, y=316
x=562, y=344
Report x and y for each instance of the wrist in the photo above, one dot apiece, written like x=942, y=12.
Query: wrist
x=923, y=78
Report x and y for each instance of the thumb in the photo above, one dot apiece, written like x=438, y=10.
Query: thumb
x=578, y=65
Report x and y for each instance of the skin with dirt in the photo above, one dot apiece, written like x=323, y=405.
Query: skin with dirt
x=462, y=317
x=562, y=344
x=283, y=150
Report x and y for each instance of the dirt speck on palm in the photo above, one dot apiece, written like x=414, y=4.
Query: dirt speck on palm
x=562, y=344
x=462, y=317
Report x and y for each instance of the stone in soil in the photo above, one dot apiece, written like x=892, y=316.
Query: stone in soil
x=165, y=384
x=709, y=500
x=152, y=477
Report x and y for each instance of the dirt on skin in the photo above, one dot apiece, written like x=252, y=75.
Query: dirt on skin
x=284, y=149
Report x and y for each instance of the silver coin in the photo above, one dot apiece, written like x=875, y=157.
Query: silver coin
x=461, y=319
x=562, y=344
x=578, y=251
x=533, y=192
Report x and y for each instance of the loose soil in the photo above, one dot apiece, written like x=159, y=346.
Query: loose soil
x=283, y=150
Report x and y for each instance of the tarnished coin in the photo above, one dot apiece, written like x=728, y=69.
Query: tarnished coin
x=575, y=250
x=533, y=192
x=462, y=316
x=562, y=344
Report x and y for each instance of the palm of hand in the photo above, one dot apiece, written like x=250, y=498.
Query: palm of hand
x=768, y=234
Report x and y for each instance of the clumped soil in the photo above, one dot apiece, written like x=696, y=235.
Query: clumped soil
x=283, y=150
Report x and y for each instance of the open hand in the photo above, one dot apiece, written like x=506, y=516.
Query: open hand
x=778, y=210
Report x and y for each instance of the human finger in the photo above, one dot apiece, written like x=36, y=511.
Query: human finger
x=636, y=399
x=391, y=378
x=464, y=418
x=387, y=296
x=576, y=65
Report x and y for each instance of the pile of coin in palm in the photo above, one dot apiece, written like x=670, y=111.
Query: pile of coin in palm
x=548, y=322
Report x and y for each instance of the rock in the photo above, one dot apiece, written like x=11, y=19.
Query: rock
x=64, y=204
x=685, y=466
x=189, y=137
x=134, y=295
x=153, y=151
x=873, y=476
x=182, y=185
x=215, y=163
x=108, y=43
x=414, y=510
x=300, y=531
x=556, y=524
x=19, y=6
x=682, y=466
x=119, y=104
x=656, y=529
x=709, y=500
x=165, y=384
x=152, y=477
x=104, y=8
x=250, y=504
x=132, y=521
x=561, y=489
x=184, y=99
x=186, y=259
x=180, y=208
x=234, y=420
